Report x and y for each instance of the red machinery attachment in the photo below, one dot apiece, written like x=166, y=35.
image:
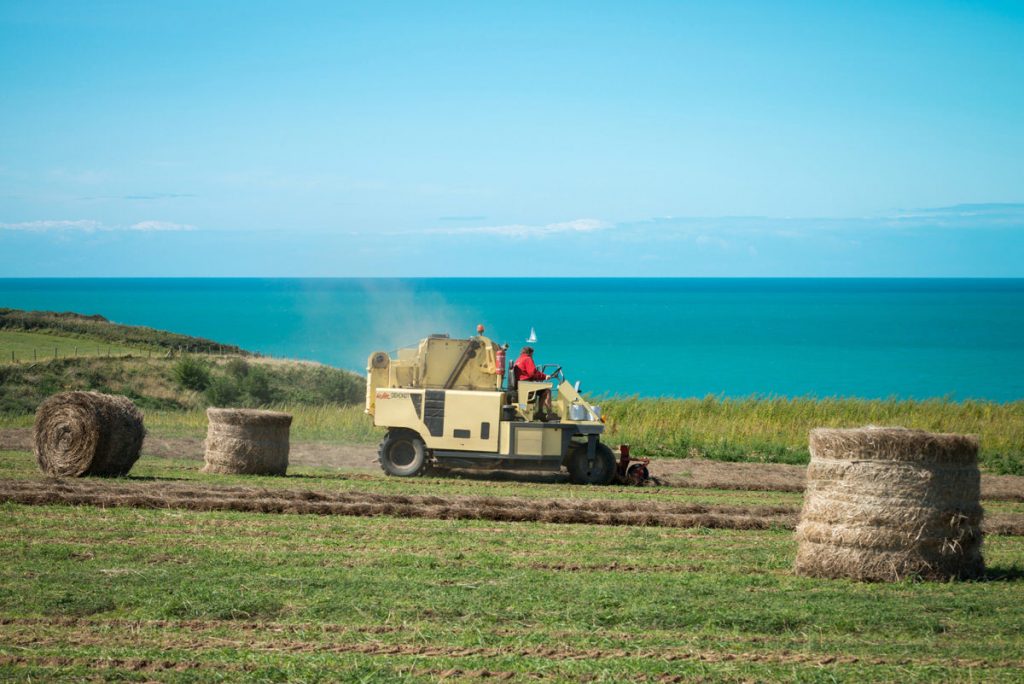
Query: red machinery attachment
x=499, y=361
x=632, y=471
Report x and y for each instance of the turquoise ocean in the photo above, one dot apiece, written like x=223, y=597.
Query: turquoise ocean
x=874, y=338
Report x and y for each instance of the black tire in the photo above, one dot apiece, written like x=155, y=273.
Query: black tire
x=601, y=472
x=402, y=454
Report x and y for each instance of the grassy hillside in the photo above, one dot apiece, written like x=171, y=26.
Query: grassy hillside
x=98, y=329
x=185, y=383
x=56, y=352
x=17, y=347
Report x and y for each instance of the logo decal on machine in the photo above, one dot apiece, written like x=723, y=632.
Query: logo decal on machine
x=392, y=395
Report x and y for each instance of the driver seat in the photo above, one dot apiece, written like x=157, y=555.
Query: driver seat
x=513, y=383
x=512, y=393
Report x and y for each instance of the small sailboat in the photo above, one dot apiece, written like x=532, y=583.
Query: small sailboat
x=533, y=335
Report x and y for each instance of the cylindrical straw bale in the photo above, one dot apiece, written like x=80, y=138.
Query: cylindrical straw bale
x=87, y=433
x=247, y=442
x=883, y=504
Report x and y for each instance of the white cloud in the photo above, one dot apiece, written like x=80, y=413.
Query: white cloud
x=712, y=241
x=522, y=230
x=579, y=225
x=91, y=226
x=41, y=226
x=154, y=226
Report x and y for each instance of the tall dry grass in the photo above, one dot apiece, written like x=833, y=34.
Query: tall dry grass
x=776, y=430
x=325, y=423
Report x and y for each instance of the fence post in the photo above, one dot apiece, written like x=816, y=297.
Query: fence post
x=12, y=356
x=54, y=352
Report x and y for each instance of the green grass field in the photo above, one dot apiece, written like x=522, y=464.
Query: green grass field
x=179, y=595
x=27, y=347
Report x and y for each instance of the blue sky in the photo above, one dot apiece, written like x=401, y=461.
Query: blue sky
x=436, y=139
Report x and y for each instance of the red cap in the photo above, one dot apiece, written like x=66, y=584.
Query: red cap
x=480, y=329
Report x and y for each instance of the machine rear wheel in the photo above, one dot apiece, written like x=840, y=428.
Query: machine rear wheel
x=601, y=471
x=402, y=454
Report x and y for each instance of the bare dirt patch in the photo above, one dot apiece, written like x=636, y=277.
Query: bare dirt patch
x=355, y=457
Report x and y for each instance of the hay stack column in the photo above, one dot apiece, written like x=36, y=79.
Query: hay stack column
x=884, y=504
x=247, y=442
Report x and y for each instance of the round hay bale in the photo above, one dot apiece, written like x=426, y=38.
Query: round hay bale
x=883, y=504
x=87, y=433
x=247, y=442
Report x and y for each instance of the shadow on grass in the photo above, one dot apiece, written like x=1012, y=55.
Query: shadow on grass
x=154, y=478
x=324, y=476
x=528, y=476
x=1001, y=574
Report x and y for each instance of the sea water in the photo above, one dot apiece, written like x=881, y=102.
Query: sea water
x=873, y=338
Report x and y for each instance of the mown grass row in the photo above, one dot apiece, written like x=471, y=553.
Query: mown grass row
x=21, y=465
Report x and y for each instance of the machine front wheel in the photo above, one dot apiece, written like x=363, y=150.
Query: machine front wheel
x=402, y=454
x=600, y=471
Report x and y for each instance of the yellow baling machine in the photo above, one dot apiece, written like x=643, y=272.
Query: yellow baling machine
x=445, y=402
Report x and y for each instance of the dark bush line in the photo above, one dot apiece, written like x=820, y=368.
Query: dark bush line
x=182, y=383
x=239, y=383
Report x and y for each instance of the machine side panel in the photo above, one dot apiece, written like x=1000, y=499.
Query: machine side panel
x=471, y=421
x=529, y=442
x=396, y=408
x=537, y=440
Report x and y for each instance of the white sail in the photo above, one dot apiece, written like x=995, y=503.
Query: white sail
x=533, y=335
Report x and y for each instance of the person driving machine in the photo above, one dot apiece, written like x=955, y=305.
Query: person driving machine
x=526, y=369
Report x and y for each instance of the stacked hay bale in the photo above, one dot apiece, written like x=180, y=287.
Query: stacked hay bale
x=883, y=504
x=87, y=433
x=247, y=442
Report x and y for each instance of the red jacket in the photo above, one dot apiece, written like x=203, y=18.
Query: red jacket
x=526, y=370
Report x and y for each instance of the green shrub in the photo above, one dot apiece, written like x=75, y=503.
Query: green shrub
x=192, y=373
x=257, y=387
x=223, y=392
x=237, y=368
x=339, y=387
